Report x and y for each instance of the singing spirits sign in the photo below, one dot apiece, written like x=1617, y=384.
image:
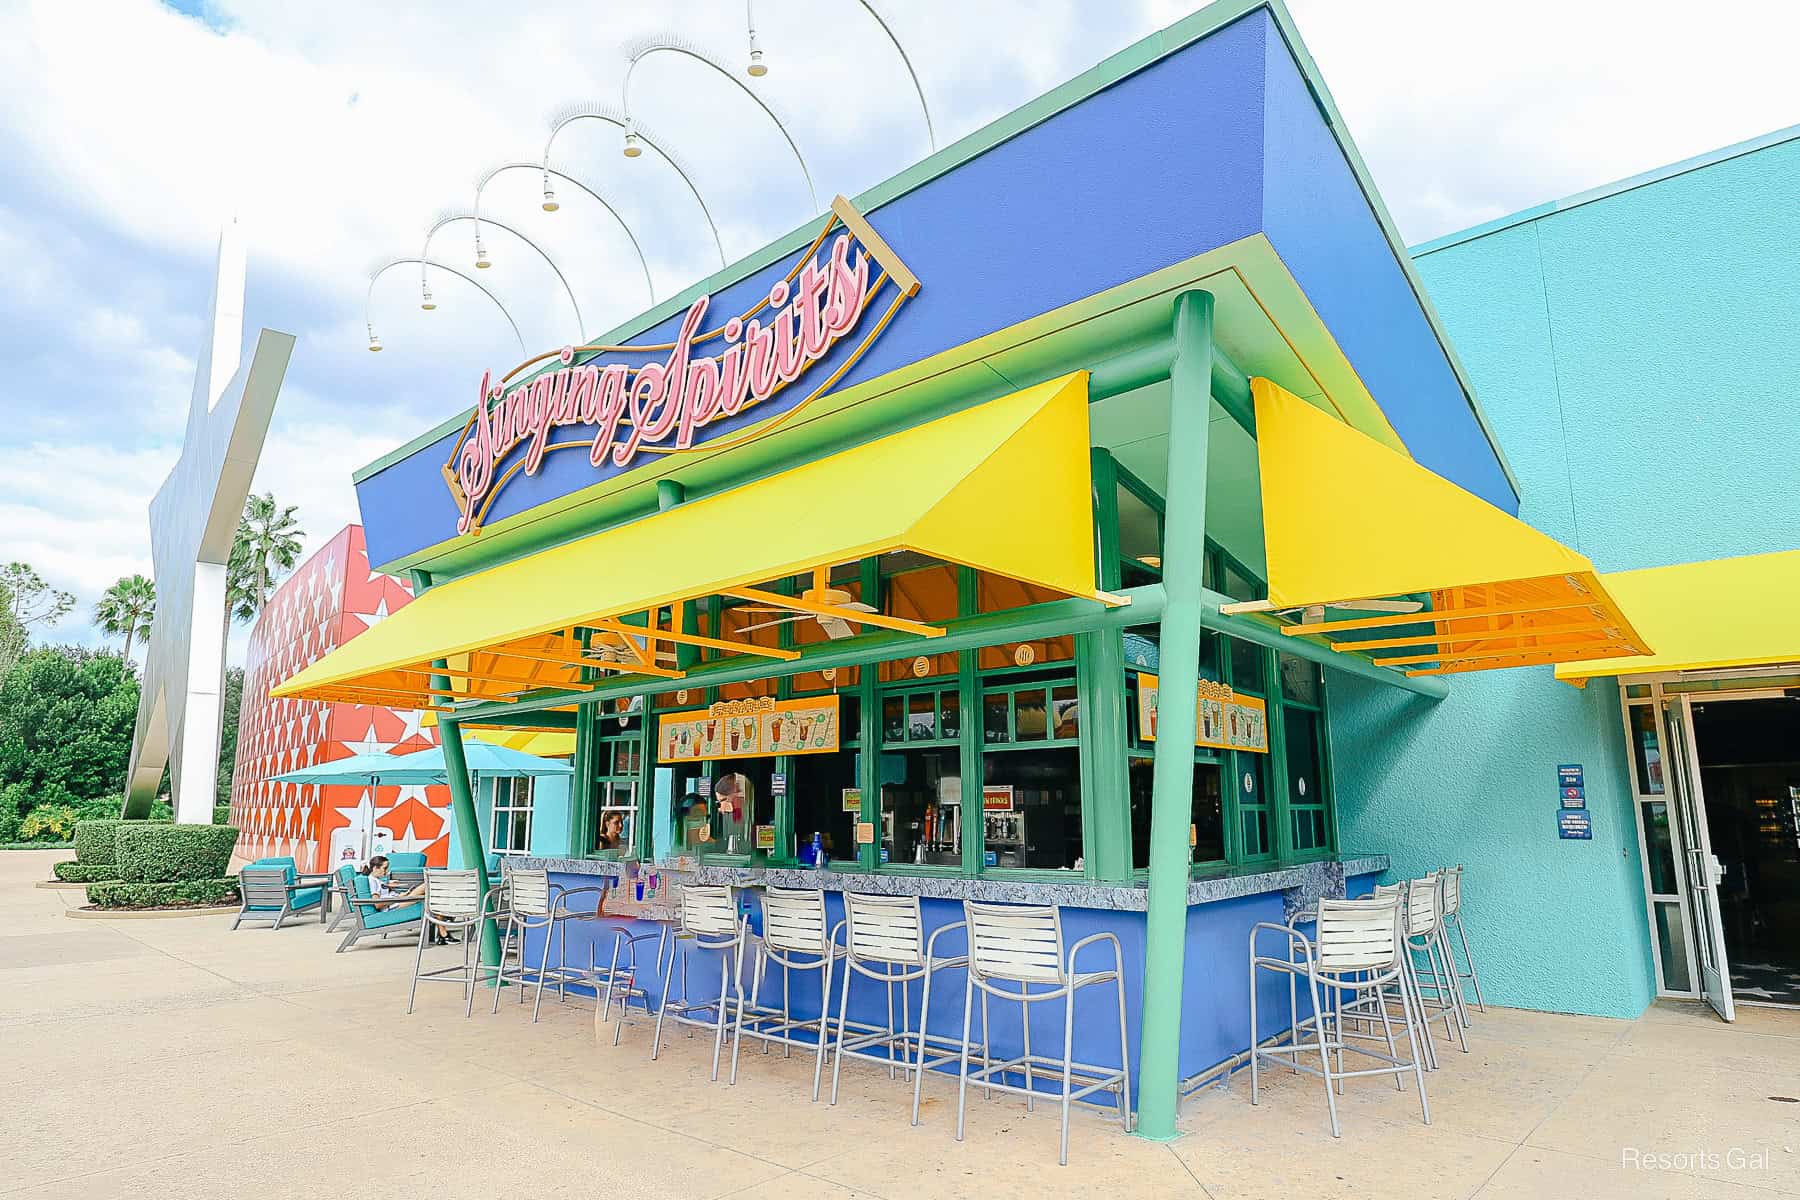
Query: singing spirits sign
x=618, y=411
x=748, y=729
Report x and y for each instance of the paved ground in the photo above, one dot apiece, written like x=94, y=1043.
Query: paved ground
x=173, y=1058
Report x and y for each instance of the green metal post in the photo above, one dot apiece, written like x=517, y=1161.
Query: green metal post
x=462, y=800
x=1172, y=789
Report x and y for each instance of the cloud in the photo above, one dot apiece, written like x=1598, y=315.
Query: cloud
x=335, y=131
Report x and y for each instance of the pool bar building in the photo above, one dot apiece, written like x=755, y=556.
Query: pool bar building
x=1099, y=513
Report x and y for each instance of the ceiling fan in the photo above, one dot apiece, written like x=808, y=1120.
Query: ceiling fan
x=617, y=649
x=821, y=593
x=1314, y=614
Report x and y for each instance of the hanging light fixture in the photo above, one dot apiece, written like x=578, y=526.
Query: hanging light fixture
x=550, y=204
x=374, y=343
x=632, y=149
x=425, y=300
x=757, y=68
x=481, y=258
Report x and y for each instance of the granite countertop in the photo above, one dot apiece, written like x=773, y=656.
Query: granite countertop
x=1304, y=882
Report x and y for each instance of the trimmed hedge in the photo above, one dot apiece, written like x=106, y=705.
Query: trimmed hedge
x=80, y=872
x=152, y=852
x=95, y=841
x=37, y=845
x=221, y=814
x=119, y=894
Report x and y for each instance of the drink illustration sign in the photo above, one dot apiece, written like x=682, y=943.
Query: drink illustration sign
x=1227, y=721
x=749, y=728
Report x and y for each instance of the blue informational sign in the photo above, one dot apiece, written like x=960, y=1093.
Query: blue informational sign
x=1568, y=775
x=1573, y=823
x=1573, y=797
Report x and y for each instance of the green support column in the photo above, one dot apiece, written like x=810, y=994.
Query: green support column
x=1171, y=803
x=462, y=798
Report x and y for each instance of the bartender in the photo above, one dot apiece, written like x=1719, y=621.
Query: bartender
x=693, y=823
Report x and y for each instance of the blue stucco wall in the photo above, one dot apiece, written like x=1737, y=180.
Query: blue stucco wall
x=1636, y=355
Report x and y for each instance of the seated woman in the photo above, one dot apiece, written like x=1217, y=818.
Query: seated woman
x=612, y=832
x=387, y=896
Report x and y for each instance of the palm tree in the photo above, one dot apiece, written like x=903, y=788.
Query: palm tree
x=127, y=608
x=267, y=546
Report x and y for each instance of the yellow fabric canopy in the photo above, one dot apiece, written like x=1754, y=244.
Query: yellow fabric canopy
x=1348, y=520
x=1003, y=487
x=1729, y=612
x=545, y=743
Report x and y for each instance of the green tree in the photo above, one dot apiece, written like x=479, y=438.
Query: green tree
x=267, y=547
x=127, y=609
x=12, y=634
x=232, y=701
x=31, y=600
x=66, y=720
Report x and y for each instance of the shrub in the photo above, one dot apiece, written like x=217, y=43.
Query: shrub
x=80, y=872
x=118, y=894
x=106, y=808
x=96, y=841
x=221, y=814
x=48, y=823
x=153, y=852
x=13, y=803
x=160, y=810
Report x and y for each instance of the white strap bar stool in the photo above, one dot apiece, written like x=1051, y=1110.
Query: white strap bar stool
x=452, y=903
x=884, y=940
x=709, y=925
x=795, y=937
x=1356, y=949
x=1023, y=945
x=1453, y=921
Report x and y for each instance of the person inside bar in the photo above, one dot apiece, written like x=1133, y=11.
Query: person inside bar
x=612, y=831
x=693, y=823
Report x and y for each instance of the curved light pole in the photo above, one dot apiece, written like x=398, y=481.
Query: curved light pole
x=672, y=45
x=613, y=116
x=550, y=205
x=378, y=272
x=454, y=217
x=757, y=68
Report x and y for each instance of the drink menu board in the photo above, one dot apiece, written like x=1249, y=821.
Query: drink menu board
x=749, y=728
x=1225, y=720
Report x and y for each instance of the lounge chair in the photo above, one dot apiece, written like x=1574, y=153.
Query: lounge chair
x=270, y=893
x=369, y=916
x=406, y=870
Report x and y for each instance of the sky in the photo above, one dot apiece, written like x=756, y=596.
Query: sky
x=337, y=131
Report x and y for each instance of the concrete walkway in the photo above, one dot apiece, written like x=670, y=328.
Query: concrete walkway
x=170, y=1057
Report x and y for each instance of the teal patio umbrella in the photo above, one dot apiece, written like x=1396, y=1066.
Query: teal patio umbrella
x=367, y=770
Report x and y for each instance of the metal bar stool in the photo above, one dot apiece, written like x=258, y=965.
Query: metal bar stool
x=453, y=903
x=795, y=937
x=1453, y=921
x=1434, y=987
x=1357, y=948
x=884, y=940
x=618, y=978
x=709, y=924
x=527, y=902
x=1023, y=945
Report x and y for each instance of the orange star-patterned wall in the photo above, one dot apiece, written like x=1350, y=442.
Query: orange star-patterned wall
x=329, y=599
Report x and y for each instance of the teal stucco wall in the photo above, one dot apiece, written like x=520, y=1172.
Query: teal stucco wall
x=1637, y=359
x=550, y=817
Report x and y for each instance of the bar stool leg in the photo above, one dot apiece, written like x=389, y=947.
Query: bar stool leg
x=1387, y=1029
x=725, y=979
x=470, y=937
x=1255, y=1043
x=824, y=1022
x=1068, y=1076
x=560, y=928
x=924, y=1024
x=1319, y=1026
x=962, y=1069
x=500, y=976
x=1413, y=1041
x=890, y=1023
x=1125, y=1116
x=612, y=975
x=418, y=963
x=1474, y=980
x=1025, y=1020
x=837, y=1062
x=663, y=1008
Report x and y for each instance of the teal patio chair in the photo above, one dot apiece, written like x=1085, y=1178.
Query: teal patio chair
x=270, y=893
x=406, y=870
x=370, y=915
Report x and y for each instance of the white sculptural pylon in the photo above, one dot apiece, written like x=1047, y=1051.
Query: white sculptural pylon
x=193, y=521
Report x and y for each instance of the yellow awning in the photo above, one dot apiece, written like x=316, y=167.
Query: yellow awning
x=1729, y=612
x=1004, y=487
x=545, y=743
x=1356, y=532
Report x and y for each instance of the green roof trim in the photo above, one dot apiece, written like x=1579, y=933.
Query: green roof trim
x=1608, y=190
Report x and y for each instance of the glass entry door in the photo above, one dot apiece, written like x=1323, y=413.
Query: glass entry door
x=1702, y=869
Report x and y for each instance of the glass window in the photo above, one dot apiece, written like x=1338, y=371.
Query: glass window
x=1031, y=808
x=921, y=801
x=1646, y=755
x=818, y=783
x=512, y=815
x=618, y=759
x=1250, y=779
x=1246, y=666
x=1300, y=682
x=1306, y=784
x=1206, y=830
x=1030, y=715
x=1671, y=940
x=743, y=797
x=1659, y=844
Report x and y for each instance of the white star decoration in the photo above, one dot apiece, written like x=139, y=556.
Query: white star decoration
x=193, y=520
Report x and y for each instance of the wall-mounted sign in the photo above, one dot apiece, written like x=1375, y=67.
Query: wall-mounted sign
x=1574, y=824
x=1572, y=820
x=865, y=836
x=852, y=800
x=748, y=728
x=1570, y=787
x=616, y=410
x=1227, y=721
x=997, y=798
x=765, y=837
